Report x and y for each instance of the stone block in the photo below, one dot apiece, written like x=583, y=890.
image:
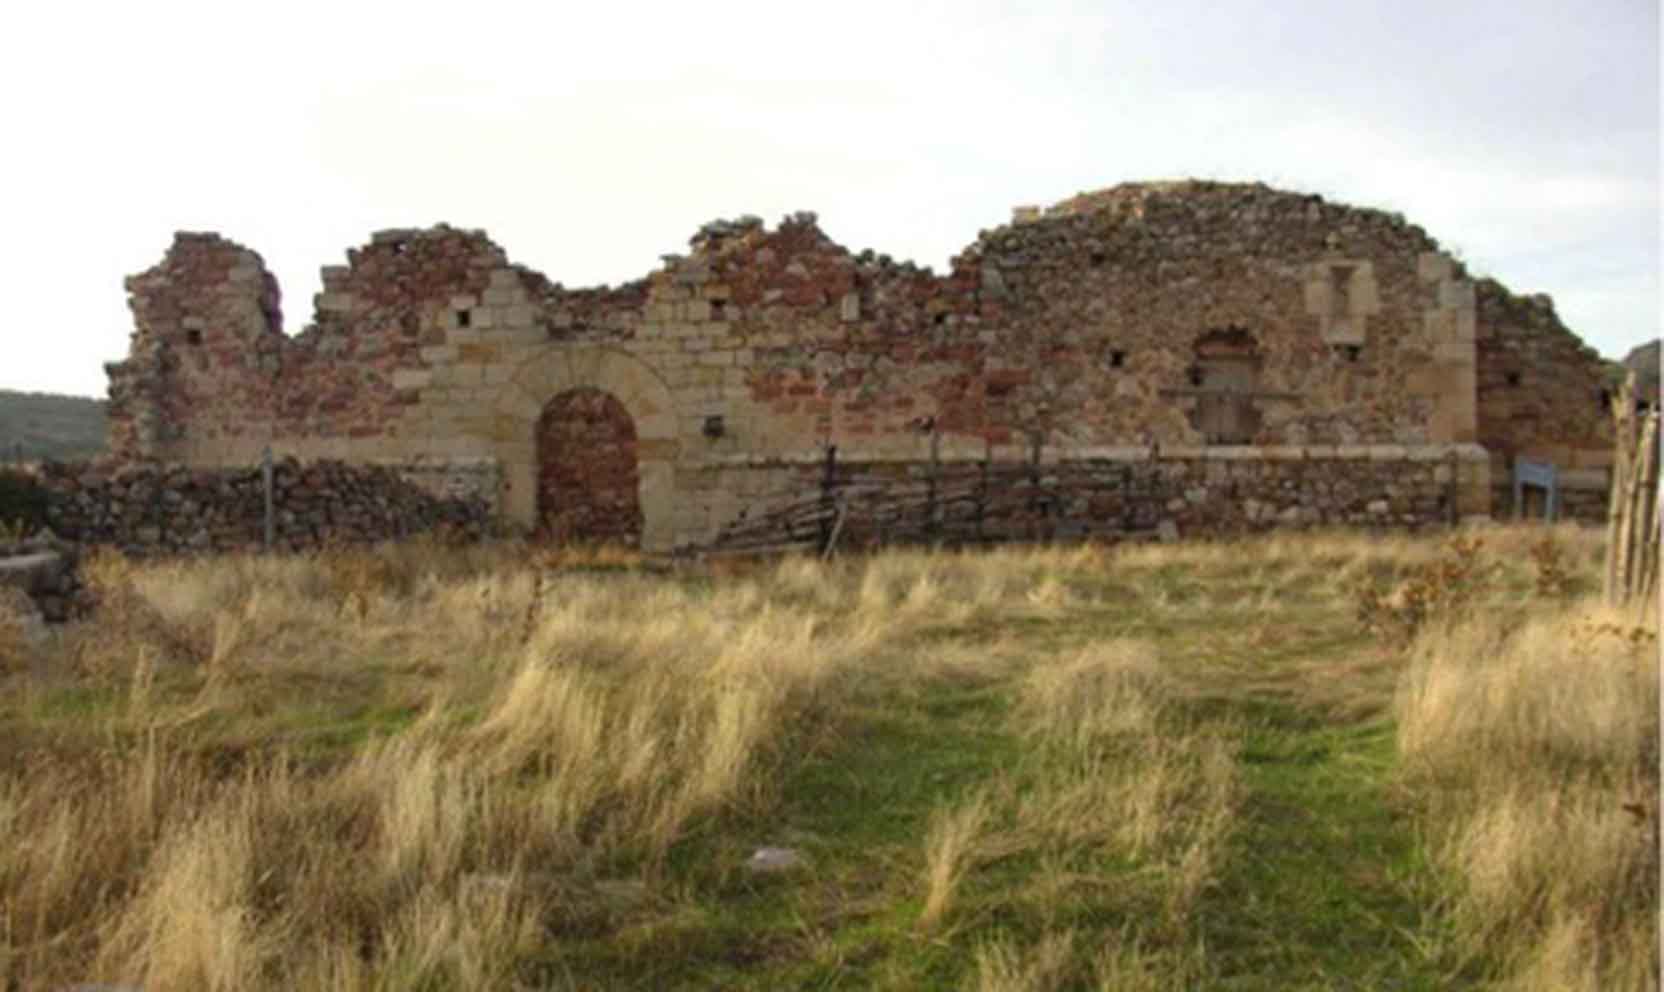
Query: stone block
x=438, y=354
x=1433, y=266
x=1597, y=479
x=411, y=378
x=478, y=353
x=504, y=278
x=1601, y=458
x=1457, y=295
x=1109, y=453
x=1319, y=296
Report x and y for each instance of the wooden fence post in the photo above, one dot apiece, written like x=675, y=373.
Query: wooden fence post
x=266, y=485
x=1633, y=525
x=828, y=482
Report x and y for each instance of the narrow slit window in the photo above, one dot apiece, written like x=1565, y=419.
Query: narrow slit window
x=1513, y=378
x=1117, y=359
x=464, y=318
x=719, y=309
x=193, y=337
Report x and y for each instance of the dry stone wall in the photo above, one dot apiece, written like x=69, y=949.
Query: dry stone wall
x=147, y=509
x=1103, y=493
x=1157, y=315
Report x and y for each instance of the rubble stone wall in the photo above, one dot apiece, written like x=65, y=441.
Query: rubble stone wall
x=1150, y=314
x=156, y=509
x=1113, y=492
x=1542, y=393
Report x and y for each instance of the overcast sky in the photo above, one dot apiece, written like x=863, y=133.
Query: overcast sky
x=590, y=140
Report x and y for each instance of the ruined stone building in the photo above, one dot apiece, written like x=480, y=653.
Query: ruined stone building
x=1198, y=353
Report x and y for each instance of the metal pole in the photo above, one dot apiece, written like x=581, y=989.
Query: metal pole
x=266, y=484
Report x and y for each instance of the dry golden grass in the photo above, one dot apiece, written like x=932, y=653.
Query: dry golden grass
x=1003, y=968
x=423, y=766
x=1533, y=750
x=559, y=714
x=1112, y=770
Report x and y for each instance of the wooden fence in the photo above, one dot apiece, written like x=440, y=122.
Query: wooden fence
x=933, y=503
x=1633, y=526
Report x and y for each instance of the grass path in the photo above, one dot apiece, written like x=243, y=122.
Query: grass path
x=1316, y=891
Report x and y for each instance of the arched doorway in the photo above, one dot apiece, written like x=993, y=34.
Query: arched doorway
x=588, y=480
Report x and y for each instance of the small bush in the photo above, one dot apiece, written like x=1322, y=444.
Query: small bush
x=1553, y=570
x=1439, y=591
x=22, y=500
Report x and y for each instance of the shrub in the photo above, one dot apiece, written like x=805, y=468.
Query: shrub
x=1439, y=591
x=1553, y=570
x=22, y=500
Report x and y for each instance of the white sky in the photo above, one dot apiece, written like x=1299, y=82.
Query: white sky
x=1523, y=135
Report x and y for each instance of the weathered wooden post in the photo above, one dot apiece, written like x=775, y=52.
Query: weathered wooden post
x=932, y=508
x=828, y=509
x=1633, y=525
x=266, y=484
x=982, y=498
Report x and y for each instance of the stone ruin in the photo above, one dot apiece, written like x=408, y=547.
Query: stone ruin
x=1177, y=357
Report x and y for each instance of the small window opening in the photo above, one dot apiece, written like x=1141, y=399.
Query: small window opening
x=1117, y=359
x=1349, y=352
x=399, y=247
x=941, y=318
x=1097, y=258
x=1513, y=378
x=193, y=337
x=464, y=318
x=719, y=309
x=1606, y=399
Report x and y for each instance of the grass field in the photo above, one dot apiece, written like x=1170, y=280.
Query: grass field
x=1313, y=762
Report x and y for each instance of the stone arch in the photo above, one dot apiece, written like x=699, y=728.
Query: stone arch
x=588, y=486
x=629, y=381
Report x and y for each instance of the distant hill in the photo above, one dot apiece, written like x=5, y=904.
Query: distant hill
x=35, y=426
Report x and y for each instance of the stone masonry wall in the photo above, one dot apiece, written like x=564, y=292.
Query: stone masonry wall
x=1110, y=493
x=1541, y=391
x=1157, y=314
x=152, y=509
x=1542, y=394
